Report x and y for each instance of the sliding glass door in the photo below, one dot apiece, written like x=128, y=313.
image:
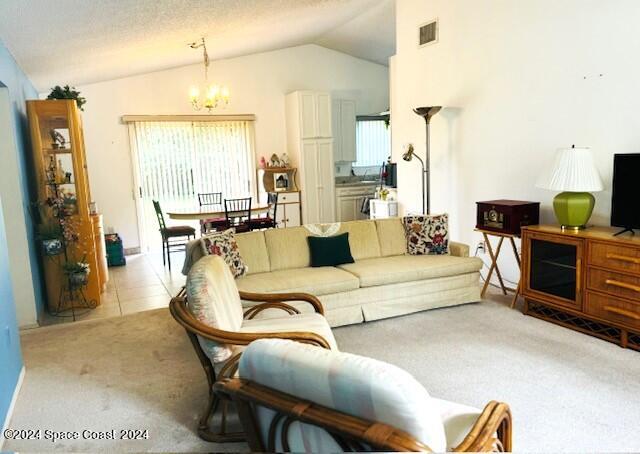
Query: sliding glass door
x=176, y=160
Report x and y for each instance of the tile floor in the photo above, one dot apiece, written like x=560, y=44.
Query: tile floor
x=142, y=284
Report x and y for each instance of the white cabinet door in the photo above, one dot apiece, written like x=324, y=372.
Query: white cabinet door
x=337, y=134
x=311, y=183
x=348, y=130
x=323, y=115
x=292, y=211
x=308, y=115
x=281, y=216
x=326, y=181
x=346, y=209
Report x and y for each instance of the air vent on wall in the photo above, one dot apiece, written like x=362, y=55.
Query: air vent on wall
x=428, y=33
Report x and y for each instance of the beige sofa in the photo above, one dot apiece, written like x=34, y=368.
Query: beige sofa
x=383, y=282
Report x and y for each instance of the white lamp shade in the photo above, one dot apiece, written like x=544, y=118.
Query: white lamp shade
x=572, y=171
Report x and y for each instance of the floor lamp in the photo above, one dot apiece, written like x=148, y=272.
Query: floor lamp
x=426, y=113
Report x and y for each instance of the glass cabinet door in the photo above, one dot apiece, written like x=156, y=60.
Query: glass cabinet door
x=555, y=269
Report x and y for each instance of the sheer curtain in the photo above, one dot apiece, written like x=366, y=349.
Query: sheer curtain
x=176, y=160
x=373, y=143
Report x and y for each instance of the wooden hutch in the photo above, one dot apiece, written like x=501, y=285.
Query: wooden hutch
x=586, y=280
x=60, y=170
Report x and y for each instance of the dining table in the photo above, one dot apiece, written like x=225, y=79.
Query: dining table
x=211, y=212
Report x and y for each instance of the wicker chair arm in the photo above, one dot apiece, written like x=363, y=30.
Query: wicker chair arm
x=281, y=297
x=495, y=419
x=250, y=313
x=178, y=309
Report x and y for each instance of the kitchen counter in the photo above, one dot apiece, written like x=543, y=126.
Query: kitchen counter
x=357, y=183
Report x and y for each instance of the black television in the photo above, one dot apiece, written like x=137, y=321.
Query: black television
x=625, y=201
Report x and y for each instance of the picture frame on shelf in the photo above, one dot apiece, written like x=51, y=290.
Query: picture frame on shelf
x=280, y=181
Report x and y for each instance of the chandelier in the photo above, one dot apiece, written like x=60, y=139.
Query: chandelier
x=214, y=95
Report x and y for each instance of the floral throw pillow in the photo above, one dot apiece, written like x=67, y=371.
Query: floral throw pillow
x=427, y=234
x=224, y=244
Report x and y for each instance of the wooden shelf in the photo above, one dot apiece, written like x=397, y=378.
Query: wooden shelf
x=56, y=150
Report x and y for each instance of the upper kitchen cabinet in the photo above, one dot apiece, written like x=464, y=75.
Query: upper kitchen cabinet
x=344, y=130
x=313, y=112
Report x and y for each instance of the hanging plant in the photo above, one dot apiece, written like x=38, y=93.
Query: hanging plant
x=67, y=92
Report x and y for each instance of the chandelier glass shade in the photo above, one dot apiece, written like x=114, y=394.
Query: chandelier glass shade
x=213, y=95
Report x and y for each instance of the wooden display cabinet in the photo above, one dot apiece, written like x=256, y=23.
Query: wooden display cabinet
x=586, y=280
x=61, y=173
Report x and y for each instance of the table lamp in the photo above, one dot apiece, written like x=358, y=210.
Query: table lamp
x=575, y=174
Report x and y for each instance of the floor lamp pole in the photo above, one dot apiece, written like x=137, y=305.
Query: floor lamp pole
x=427, y=113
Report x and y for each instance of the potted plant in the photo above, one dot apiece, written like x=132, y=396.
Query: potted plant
x=77, y=273
x=51, y=239
x=67, y=92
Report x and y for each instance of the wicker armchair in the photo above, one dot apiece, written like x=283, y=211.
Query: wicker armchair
x=346, y=402
x=213, y=274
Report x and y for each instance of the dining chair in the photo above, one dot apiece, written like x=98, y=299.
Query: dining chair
x=174, y=237
x=268, y=222
x=238, y=213
x=212, y=224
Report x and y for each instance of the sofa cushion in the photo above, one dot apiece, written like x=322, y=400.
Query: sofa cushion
x=317, y=281
x=253, y=249
x=288, y=248
x=427, y=234
x=352, y=384
x=363, y=239
x=391, y=237
x=407, y=268
x=224, y=245
x=330, y=251
x=314, y=323
x=214, y=300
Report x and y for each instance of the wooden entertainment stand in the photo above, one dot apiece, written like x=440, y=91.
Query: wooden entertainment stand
x=586, y=280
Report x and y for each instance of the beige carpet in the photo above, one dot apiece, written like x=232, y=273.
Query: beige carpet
x=568, y=391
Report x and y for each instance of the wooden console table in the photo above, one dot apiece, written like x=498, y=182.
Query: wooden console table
x=588, y=281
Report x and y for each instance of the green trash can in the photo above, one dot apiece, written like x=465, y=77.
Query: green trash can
x=115, y=251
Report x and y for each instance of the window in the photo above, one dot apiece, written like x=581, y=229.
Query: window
x=177, y=160
x=373, y=142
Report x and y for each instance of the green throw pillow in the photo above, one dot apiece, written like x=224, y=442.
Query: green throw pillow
x=330, y=250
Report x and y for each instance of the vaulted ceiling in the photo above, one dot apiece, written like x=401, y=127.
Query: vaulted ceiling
x=84, y=41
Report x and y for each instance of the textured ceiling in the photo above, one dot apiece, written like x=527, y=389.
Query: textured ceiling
x=84, y=41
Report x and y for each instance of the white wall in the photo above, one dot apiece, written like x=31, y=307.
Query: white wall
x=257, y=83
x=518, y=79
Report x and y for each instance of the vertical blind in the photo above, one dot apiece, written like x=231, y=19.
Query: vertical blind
x=373, y=143
x=179, y=159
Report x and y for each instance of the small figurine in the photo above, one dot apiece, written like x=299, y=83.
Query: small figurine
x=284, y=160
x=57, y=140
x=263, y=163
x=274, y=161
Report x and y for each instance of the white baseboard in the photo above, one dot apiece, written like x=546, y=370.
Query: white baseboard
x=12, y=405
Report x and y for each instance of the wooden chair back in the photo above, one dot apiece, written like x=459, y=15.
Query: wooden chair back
x=237, y=211
x=160, y=216
x=209, y=198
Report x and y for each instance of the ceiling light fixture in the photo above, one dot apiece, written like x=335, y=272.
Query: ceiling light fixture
x=214, y=95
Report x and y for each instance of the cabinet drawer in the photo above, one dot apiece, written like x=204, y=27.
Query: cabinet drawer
x=614, y=283
x=614, y=310
x=288, y=197
x=615, y=257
